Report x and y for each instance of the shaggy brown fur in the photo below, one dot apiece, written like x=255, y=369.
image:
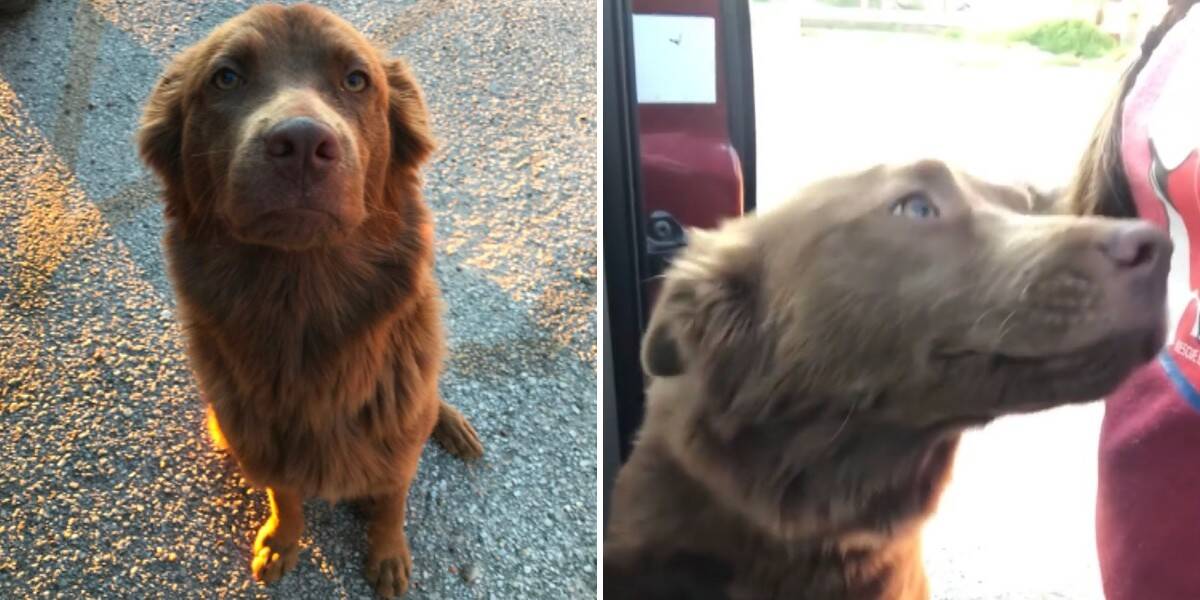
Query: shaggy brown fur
x=302, y=258
x=813, y=367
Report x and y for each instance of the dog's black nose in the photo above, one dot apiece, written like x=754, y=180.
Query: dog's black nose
x=1137, y=246
x=302, y=144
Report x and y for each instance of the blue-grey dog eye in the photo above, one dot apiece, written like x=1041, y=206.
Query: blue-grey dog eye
x=226, y=79
x=915, y=206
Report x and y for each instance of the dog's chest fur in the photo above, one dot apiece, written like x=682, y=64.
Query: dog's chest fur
x=319, y=371
x=730, y=517
x=685, y=544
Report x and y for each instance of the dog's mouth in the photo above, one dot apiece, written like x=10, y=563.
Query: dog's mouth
x=1136, y=342
x=1139, y=346
x=1030, y=381
x=293, y=229
x=1142, y=348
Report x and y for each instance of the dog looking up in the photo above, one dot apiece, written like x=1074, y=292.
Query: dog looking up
x=812, y=368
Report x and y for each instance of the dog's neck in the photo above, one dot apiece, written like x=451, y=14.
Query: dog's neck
x=820, y=488
x=295, y=312
x=821, y=476
x=338, y=286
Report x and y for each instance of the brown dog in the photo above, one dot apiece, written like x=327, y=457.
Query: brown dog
x=813, y=367
x=302, y=258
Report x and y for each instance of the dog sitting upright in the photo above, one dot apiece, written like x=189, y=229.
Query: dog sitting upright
x=301, y=256
x=813, y=367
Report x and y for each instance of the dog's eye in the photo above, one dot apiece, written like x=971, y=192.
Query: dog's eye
x=915, y=206
x=356, y=81
x=226, y=79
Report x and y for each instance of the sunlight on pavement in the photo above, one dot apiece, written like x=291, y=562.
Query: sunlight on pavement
x=56, y=218
x=93, y=384
x=156, y=26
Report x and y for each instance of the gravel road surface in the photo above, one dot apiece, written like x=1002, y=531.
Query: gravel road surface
x=108, y=485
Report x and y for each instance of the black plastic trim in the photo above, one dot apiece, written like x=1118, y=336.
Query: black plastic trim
x=739, y=82
x=624, y=242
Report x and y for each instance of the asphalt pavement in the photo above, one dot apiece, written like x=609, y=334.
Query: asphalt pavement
x=108, y=485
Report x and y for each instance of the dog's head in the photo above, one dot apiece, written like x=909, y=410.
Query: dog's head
x=918, y=293
x=283, y=128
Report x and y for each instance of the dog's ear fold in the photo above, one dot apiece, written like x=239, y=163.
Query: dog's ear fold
x=412, y=139
x=661, y=352
x=160, y=133
x=707, y=316
x=1048, y=202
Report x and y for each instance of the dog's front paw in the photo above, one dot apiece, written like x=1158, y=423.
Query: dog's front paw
x=273, y=556
x=389, y=574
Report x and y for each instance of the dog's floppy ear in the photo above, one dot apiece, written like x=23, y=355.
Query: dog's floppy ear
x=660, y=349
x=412, y=140
x=1048, y=202
x=160, y=133
x=707, y=314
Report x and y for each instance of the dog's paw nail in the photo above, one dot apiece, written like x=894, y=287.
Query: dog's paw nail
x=470, y=447
x=460, y=439
x=270, y=563
x=389, y=576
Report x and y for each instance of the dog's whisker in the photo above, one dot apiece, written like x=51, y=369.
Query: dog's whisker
x=1003, y=330
x=842, y=427
x=210, y=153
x=982, y=315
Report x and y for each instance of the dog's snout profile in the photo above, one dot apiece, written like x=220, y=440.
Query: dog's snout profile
x=1140, y=255
x=302, y=145
x=1137, y=247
